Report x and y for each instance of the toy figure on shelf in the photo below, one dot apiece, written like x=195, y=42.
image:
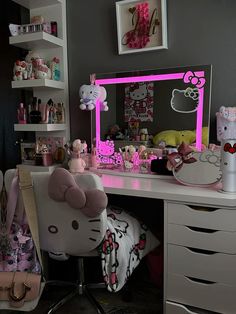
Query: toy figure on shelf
x=76, y=163
x=90, y=94
x=20, y=71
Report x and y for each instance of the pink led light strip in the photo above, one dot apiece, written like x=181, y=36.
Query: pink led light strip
x=157, y=77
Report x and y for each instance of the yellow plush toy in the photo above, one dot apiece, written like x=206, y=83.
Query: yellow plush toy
x=174, y=138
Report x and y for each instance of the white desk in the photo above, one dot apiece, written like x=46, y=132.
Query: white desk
x=199, y=242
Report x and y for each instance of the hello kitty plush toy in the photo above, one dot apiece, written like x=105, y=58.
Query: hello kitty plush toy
x=90, y=94
x=77, y=164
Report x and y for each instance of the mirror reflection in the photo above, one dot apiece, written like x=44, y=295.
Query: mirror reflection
x=157, y=108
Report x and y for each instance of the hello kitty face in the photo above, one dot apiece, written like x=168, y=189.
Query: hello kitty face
x=138, y=91
x=226, y=119
x=89, y=92
x=106, y=148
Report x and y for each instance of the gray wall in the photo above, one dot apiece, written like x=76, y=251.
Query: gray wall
x=199, y=32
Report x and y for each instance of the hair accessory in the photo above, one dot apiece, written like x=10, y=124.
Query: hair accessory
x=190, y=77
x=62, y=187
x=184, y=155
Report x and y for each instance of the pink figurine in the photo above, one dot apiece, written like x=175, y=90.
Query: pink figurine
x=77, y=164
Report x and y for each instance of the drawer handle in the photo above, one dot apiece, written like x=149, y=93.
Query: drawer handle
x=200, y=251
x=206, y=282
x=193, y=309
x=197, y=229
x=203, y=209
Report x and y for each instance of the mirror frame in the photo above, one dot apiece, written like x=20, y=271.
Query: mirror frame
x=196, y=78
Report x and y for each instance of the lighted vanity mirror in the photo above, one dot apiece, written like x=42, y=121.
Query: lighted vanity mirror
x=154, y=101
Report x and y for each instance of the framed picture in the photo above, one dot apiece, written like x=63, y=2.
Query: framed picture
x=28, y=153
x=141, y=25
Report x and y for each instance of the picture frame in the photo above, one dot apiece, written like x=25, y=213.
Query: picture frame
x=141, y=25
x=28, y=153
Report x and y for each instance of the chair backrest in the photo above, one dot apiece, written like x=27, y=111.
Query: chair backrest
x=62, y=228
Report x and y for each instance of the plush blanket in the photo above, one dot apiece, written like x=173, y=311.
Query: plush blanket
x=126, y=242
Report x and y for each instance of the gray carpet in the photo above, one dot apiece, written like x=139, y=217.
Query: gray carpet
x=141, y=297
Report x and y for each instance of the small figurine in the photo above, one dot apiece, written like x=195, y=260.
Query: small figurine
x=20, y=71
x=76, y=163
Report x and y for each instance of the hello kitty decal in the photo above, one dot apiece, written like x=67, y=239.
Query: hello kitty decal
x=139, y=102
x=107, y=154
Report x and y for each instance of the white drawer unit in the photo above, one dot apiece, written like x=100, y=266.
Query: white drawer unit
x=211, y=296
x=175, y=308
x=202, y=217
x=206, y=265
x=200, y=259
x=206, y=239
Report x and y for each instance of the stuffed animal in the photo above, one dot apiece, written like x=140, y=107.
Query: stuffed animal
x=76, y=163
x=173, y=138
x=89, y=94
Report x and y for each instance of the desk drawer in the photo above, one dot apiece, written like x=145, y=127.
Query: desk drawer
x=175, y=308
x=210, y=296
x=206, y=265
x=211, y=218
x=217, y=241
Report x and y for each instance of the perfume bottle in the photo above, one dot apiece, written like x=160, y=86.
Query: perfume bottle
x=21, y=114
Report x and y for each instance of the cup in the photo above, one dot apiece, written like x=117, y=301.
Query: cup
x=228, y=165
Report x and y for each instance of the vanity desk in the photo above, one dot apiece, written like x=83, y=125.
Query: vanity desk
x=199, y=242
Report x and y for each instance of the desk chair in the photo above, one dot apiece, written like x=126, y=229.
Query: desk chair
x=65, y=231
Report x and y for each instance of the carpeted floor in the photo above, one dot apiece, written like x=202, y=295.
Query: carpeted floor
x=140, y=296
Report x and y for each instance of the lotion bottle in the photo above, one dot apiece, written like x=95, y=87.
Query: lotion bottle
x=21, y=114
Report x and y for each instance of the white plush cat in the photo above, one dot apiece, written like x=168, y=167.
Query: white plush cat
x=89, y=94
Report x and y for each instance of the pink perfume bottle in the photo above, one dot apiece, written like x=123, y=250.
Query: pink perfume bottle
x=21, y=114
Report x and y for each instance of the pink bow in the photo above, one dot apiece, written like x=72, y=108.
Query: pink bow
x=62, y=187
x=184, y=155
x=190, y=77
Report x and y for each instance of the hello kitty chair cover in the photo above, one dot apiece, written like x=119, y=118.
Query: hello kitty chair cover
x=71, y=223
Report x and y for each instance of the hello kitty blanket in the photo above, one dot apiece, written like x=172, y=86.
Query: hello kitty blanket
x=126, y=242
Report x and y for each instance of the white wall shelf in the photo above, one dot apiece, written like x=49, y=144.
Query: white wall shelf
x=40, y=127
x=45, y=83
x=38, y=40
x=33, y=4
x=47, y=47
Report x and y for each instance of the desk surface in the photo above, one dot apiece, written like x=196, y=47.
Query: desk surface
x=167, y=189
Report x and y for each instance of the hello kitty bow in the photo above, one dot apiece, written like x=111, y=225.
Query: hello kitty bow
x=190, y=77
x=63, y=188
x=184, y=155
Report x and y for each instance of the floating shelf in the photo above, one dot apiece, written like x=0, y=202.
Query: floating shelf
x=39, y=127
x=33, y=4
x=37, y=40
x=34, y=168
x=45, y=83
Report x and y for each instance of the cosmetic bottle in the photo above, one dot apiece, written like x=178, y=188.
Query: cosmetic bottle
x=94, y=162
x=35, y=114
x=21, y=114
